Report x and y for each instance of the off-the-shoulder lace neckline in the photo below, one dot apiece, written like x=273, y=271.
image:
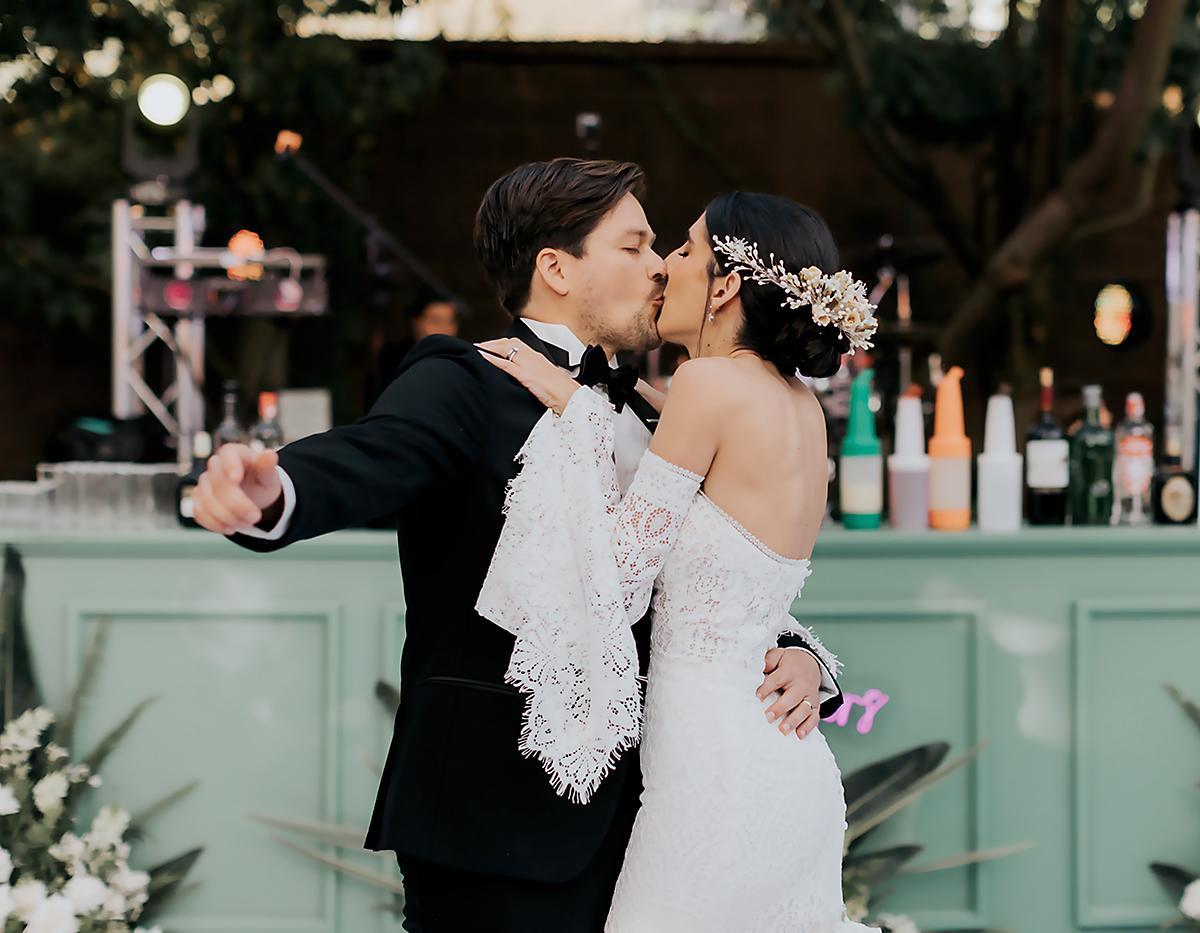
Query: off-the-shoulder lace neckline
x=753, y=538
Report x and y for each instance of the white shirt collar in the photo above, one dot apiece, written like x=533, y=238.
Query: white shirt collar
x=562, y=337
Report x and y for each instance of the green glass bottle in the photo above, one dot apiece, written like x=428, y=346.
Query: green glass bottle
x=1092, y=453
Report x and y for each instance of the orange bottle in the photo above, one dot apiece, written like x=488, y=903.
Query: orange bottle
x=950, y=459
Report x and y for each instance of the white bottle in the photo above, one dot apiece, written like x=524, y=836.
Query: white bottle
x=908, y=468
x=1000, y=469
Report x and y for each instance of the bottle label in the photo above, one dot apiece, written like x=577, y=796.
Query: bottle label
x=1047, y=465
x=1135, y=465
x=949, y=484
x=1178, y=498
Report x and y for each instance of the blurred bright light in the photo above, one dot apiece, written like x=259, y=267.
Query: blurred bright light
x=1114, y=314
x=163, y=99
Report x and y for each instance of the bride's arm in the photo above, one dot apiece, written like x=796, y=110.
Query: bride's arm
x=652, y=395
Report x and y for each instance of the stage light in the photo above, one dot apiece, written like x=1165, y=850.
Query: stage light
x=288, y=295
x=163, y=99
x=288, y=142
x=177, y=295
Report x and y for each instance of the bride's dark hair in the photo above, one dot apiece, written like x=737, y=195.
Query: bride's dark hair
x=799, y=237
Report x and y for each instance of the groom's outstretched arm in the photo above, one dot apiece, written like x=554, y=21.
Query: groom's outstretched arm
x=425, y=428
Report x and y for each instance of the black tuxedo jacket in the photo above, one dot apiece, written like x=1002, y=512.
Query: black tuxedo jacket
x=437, y=450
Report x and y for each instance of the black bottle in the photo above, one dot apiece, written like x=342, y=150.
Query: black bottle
x=1047, y=463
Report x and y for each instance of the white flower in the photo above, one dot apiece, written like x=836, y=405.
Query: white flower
x=1190, y=902
x=109, y=826
x=53, y=915
x=8, y=801
x=128, y=882
x=94, y=781
x=5, y=866
x=69, y=848
x=77, y=773
x=151, y=930
x=115, y=906
x=56, y=752
x=6, y=903
x=26, y=897
x=49, y=792
x=22, y=733
x=897, y=923
x=86, y=893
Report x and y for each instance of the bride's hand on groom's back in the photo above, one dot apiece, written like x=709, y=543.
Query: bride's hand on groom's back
x=795, y=675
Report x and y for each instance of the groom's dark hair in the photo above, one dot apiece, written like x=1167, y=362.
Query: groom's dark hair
x=545, y=205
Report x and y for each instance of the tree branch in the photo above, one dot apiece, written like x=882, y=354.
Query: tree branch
x=1050, y=223
x=1143, y=200
x=891, y=151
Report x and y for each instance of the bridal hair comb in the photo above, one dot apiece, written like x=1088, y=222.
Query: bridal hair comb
x=838, y=299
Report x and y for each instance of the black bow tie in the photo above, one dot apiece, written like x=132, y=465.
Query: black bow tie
x=621, y=382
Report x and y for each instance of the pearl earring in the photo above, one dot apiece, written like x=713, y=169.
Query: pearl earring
x=710, y=317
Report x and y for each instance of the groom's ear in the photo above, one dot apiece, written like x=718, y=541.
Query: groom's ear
x=549, y=266
x=724, y=290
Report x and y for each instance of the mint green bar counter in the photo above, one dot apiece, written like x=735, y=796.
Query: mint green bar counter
x=1051, y=645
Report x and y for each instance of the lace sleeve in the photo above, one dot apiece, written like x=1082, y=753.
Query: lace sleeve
x=648, y=522
x=559, y=586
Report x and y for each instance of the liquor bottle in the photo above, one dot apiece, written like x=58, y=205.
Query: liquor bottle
x=1047, y=463
x=1174, y=490
x=266, y=433
x=1091, y=465
x=202, y=448
x=1134, y=473
x=229, y=431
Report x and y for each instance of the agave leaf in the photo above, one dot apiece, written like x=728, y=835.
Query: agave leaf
x=967, y=858
x=20, y=689
x=64, y=731
x=869, y=868
x=1189, y=707
x=915, y=790
x=389, y=696
x=137, y=823
x=346, y=867
x=110, y=741
x=165, y=882
x=874, y=781
x=347, y=837
x=1172, y=877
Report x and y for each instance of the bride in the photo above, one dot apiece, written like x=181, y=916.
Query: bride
x=739, y=829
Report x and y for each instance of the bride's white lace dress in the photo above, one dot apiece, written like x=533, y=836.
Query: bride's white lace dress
x=740, y=827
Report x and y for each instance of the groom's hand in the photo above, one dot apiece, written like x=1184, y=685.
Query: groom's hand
x=238, y=486
x=795, y=675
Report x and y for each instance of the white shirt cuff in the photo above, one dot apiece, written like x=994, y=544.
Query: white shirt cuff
x=289, y=506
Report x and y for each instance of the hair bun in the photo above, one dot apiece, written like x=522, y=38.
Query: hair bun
x=804, y=347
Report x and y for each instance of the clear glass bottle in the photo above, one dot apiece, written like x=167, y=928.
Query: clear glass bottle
x=1092, y=451
x=230, y=430
x=1134, y=472
x=267, y=433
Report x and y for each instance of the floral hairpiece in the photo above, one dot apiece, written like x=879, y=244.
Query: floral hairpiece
x=838, y=299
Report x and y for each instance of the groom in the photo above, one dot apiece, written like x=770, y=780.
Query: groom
x=483, y=841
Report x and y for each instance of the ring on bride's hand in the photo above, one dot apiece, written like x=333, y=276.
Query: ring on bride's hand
x=810, y=706
x=511, y=353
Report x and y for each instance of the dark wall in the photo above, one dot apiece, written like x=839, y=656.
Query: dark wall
x=700, y=119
